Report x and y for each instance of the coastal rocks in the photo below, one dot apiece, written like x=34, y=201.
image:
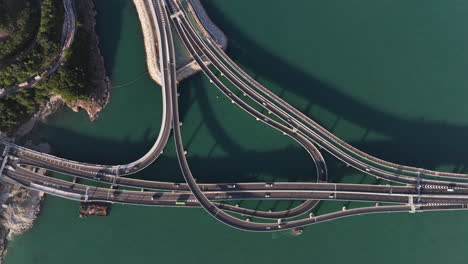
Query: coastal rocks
x=20, y=207
x=150, y=38
x=206, y=25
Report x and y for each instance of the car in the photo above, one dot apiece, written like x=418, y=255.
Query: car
x=97, y=177
x=177, y=185
x=231, y=186
x=267, y=195
x=268, y=185
x=155, y=196
x=450, y=189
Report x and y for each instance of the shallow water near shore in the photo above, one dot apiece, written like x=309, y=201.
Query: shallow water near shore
x=380, y=75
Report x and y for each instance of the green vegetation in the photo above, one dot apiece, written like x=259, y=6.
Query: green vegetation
x=45, y=50
x=18, y=107
x=19, y=23
x=71, y=80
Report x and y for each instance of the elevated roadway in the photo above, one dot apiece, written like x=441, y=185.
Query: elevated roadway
x=422, y=194
x=77, y=168
x=293, y=117
x=86, y=193
x=89, y=171
x=345, y=192
x=211, y=208
x=198, y=48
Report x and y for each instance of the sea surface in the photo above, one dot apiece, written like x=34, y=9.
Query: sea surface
x=389, y=77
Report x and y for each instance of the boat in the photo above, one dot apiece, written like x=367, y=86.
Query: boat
x=98, y=209
x=297, y=231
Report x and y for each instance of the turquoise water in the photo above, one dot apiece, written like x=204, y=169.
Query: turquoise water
x=387, y=76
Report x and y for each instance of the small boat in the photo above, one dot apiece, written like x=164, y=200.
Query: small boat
x=99, y=209
x=297, y=231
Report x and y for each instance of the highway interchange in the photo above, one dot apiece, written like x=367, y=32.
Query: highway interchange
x=425, y=190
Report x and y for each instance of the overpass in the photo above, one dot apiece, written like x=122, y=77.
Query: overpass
x=423, y=194
x=203, y=46
x=432, y=199
x=77, y=168
x=243, y=191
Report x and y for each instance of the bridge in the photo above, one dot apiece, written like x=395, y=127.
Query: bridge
x=424, y=190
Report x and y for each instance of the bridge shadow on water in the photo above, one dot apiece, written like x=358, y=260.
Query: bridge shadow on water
x=290, y=163
x=412, y=142
x=415, y=142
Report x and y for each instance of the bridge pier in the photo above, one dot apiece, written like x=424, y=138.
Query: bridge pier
x=86, y=194
x=411, y=203
x=419, y=186
x=5, y=159
x=6, y=150
x=179, y=13
x=114, y=179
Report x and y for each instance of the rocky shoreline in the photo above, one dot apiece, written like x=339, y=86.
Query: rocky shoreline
x=20, y=207
x=206, y=25
x=150, y=38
